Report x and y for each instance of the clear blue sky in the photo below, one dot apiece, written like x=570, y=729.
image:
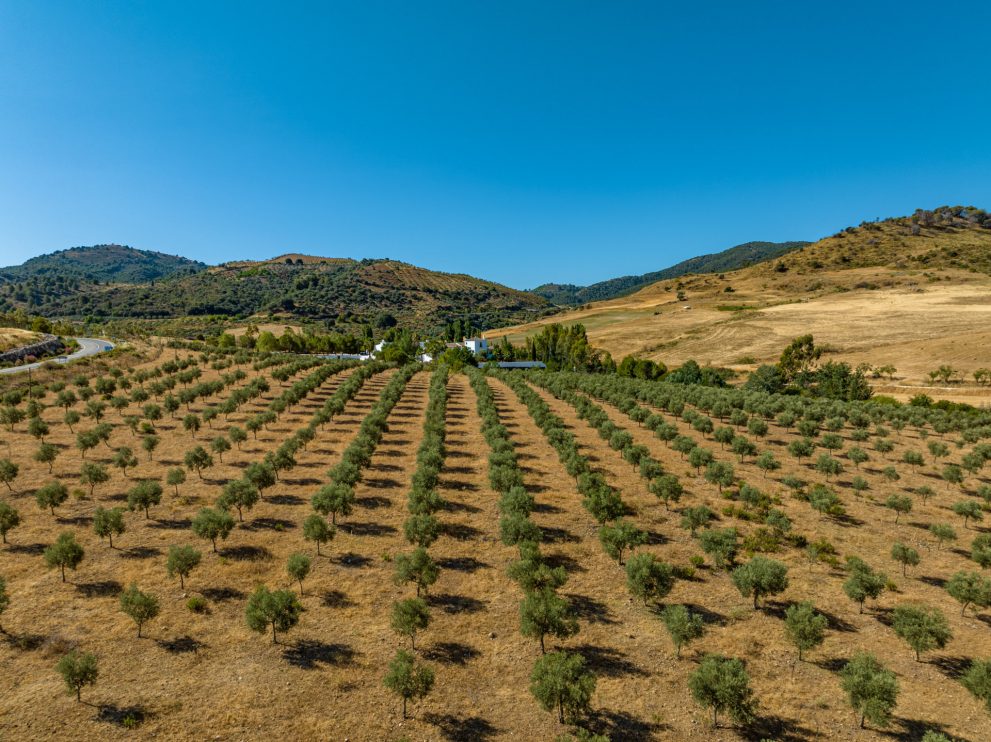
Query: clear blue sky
x=525, y=142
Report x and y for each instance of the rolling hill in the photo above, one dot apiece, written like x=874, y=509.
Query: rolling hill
x=340, y=290
x=103, y=263
x=740, y=256
x=913, y=291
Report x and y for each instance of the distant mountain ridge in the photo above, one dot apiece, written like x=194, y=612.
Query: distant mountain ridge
x=734, y=258
x=104, y=263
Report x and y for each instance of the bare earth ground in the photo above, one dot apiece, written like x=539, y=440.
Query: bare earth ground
x=907, y=321
x=208, y=676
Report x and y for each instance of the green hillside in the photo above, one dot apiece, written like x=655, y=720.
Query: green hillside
x=341, y=291
x=103, y=263
x=728, y=260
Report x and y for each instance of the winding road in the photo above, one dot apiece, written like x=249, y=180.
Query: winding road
x=87, y=347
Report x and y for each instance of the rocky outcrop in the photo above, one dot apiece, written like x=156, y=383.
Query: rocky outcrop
x=48, y=345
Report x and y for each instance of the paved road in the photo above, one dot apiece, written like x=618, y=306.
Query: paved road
x=87, y=347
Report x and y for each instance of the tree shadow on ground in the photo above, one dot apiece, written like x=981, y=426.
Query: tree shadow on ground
x=458, y=484
x=382, y=483
x=776, y=728
x=451, y=653
x=268, y=524
x=140, y=552
x=450, y=603
x=368, y=529
x=553, y=535
x=180, y=645
x=563, y=560
x=460, y=531
x=351, y=559
x=379, y=466
x=623, y=725
x=336, y=599
x=23, y=642
x=708, y=616
x=452, y=506
x=911, y=730
x=30, y=549
x=302, y=481
x=934, y=581
x=590, y=609
x=546, y=507
x=951, y=667
x=461, y=729
x=285, y=500
x=175, y=524
x=102, y=589
x=83, y=521
x=123, y=716
x=307, y=654
x=609, y=662
x=832, y=664
x=221, y=594
x=247, y=553
x=462, y=564
x=373, y=502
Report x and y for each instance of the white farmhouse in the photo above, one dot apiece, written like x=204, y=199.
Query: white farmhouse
x=478, y=346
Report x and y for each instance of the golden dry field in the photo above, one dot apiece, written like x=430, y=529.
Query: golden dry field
x=207, y=675
x=874, y=297
x=11, y=337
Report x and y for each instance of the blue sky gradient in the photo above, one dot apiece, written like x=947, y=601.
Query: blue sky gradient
x=524, y=142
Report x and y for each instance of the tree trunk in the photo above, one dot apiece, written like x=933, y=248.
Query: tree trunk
x=111, y=536
x=542, y=650
x=182, y=582
x=404, y=707
x=560, y=710
x=274, y=639
x=62, y=566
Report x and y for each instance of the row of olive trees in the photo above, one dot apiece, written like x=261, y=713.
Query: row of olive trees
x=560, y=680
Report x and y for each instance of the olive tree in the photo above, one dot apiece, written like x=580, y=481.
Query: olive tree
x=969, y=588
x=51, y=495
x=805, y=628
x=683, y=626
x=408, y=679
x=560, y=681
x=722, y=684
x=417, y=568
x=871, y=688
x=904, y=555
x=620, y=536
x=78, y=669
x=141, y=607
x=65, y=552
x=317, y=530
x=760, y=577
x=213, y=524
x=109, y=523
x=544, y=612
x=181, y=561
x=923, y=628
x=977, y=680
x=298, y=567
x=648, y=578
x=9, y=520
x=143, y=495
x=279, y=609
x=410, y=616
